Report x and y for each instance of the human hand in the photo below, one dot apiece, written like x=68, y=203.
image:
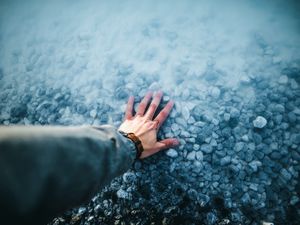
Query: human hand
x=144, y=127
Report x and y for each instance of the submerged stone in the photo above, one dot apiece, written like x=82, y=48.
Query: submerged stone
x=260, y=122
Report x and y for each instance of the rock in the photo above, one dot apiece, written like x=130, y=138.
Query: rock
x=226, y=116
x=93, y=113
x=215, y=92
x=294, y=200
x=196, y=147
x=203, y=199
x=239, y=146
x=185, y=113
x=123, y=194
x=260, y=122
x=283, y=79
x=191, y=155
x=18, y=111
x=295, y=139
x=279, y=108
x=81, y=210
x=254, y=165
x=225, y=161
x=234, y=113
x=172, y=153
x=285, y=174
x=129, y=177
x=245, y=138
x=245, y=198
x=199, y=156
x=211, y=218
x=206, y=148
x=175, y=127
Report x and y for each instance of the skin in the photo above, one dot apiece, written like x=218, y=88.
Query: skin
x=145, y=127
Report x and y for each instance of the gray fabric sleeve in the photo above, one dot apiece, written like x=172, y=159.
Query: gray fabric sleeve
x=45, y=170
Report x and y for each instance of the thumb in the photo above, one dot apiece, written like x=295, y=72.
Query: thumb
x=166, y=143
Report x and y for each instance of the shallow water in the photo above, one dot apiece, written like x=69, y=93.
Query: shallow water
x=224, y=63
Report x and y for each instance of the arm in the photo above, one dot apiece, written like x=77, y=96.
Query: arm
x=46, y=170
x=50, y=169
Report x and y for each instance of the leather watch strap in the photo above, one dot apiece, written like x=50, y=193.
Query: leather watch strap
x=137, y=142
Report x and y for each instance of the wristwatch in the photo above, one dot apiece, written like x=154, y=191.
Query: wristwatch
x=137, y=142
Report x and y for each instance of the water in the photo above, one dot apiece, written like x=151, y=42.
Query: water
x=225, y=63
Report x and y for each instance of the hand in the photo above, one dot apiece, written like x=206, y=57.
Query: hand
x=144, y=127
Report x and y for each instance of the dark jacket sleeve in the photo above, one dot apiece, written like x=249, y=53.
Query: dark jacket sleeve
x=46, y=170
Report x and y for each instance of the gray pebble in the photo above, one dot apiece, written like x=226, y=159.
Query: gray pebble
x=225, y=161
x=259, y=122
x=172, y=153
x=191, y=155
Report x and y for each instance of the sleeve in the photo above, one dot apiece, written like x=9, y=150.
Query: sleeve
x=45, y=170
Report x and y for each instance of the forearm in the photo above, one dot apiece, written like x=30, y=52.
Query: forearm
x=54, y=168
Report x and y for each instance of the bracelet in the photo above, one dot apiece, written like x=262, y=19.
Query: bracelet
x=137, y=142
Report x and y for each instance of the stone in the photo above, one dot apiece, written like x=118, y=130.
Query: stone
x=196, y=147
x=283, y=79
x=203, y=199
x=245, y=198
x=93, y=113
x=185, y=113
x=260, y=122
x=234, y=113
x=191, y=155
x=211, y=218
x=226, y=116
x=199, y=156
x=129, y=177
x=254, y=165
x=279, y=108
x=239, y=146
x=294, y=200
x=285, y=174
x=225, y=161
x=18, y=111
x=172, y=153
x=123, y=194
x=206, y=148
x=215, y=92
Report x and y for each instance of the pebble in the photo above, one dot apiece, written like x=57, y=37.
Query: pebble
x=215, y=92
x=185, y=113
x=206, y=148
x=191, y=155
x=93, y=113
x=225, y=161
x=254, y=165
x=123, y=194
x=226, y=116
x=283, y=79
x=260, y=122
x=285, y=174
x=199, y=156
x=172, y=153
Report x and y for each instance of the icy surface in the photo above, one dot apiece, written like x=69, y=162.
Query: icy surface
x=225, y=63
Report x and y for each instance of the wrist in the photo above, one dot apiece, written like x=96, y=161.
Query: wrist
x=137, y=142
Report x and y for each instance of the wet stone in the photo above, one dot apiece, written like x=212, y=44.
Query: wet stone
x=225, y=161
x=191, y=155
x=260, y=122
x=206, y=148
x=285, y=174
x=172, y=153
